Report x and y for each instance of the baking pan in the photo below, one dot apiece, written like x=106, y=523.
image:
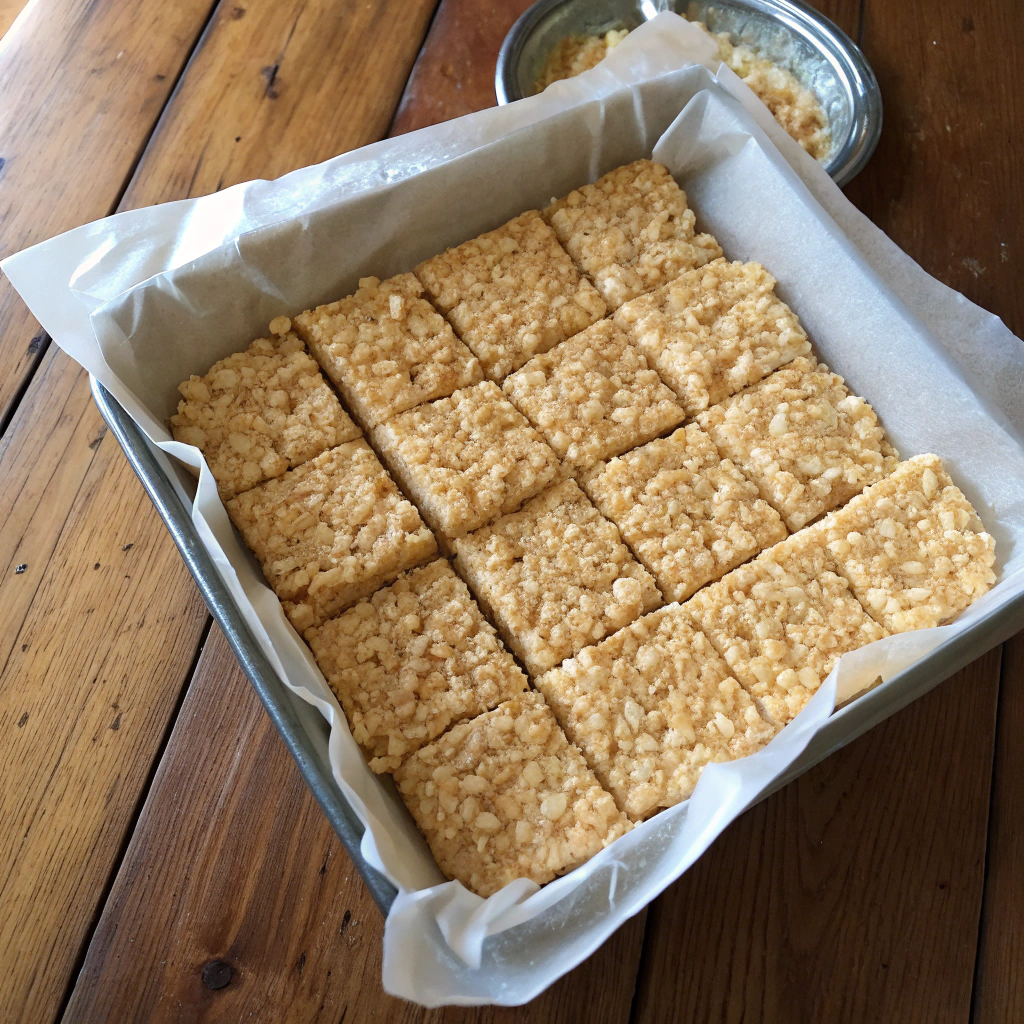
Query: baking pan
x=795, y=36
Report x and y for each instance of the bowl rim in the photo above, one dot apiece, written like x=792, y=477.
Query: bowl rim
x=824, y=35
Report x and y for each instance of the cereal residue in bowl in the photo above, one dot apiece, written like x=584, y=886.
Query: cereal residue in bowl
x=796, y=108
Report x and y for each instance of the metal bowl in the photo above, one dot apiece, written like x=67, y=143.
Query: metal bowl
x=817, y=52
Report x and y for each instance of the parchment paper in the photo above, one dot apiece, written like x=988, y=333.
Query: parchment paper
x=145, y=298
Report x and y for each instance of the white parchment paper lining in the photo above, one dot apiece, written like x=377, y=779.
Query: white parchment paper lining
x=145, y=298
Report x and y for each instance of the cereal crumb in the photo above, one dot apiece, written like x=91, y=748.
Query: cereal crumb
x=505, y=796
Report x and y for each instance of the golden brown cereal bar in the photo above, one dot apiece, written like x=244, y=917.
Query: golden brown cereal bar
x=505, y=796
x=688, y=515
x=650, y=707
x=330, y=532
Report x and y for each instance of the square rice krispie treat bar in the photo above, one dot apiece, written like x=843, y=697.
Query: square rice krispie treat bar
x=556, y=577
x=505, y=796
x=650, y=707
x=511, y=293
x=782, y=621
x=630, y=231
x=714, y=331
x=594, y=396
x=467, y=459
x=912, y=547
x=387, y=349
x=807, y=443
x=412, y=659
x=330, y=532
x=688, y=515
x=259, y=412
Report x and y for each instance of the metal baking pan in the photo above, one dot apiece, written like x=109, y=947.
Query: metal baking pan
x=308, y=743
x=286, y=711
x=788, y=32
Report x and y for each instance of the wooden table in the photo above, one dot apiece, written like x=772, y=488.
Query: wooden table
x=160, y=857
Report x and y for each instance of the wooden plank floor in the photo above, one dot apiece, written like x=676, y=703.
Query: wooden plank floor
x=147, y=841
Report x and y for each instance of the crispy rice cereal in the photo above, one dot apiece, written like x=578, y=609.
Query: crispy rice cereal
x=575, y=54
x=912, y=547
x=688, y=515
x=467, y=459
x=630, y=231
x=714, y=331
x=594, y=396
x=504, y=796
x=330, y=532
x=511, y=293
x=556, y=577
x=650, y=707
x=782, y=621
x=387, y=349
x=807, y=443
x=411, y=660
x=259, y=412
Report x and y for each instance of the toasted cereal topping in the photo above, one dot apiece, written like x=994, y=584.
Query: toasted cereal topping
x=630, y=231
x=782, y=621
x=575, y=54
x=807, y=443
x=650, y=707
x=912, y=547
x=687, y=514
x=408, y=662
x=330, y=532
x=593, y=396
x=467, y=459
x=712, y=332
x=387, y=349
x=556, y=576
x=511, y=293
x=504, y=796
x=259, y=412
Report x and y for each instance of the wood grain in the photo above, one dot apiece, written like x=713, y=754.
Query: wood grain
x=233, y=861
x=9, y=10
x=999, y=980
x=81, y=86
x=853, y=894
x=127, y=630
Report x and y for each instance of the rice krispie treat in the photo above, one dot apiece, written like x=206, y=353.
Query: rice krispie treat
x=651, y=706
x=330, y=532
x=412, y=659
x=714, y=331
x=782, y=621
x=807, y=443
x=511, y=293
x=555, y=576
x=387, y=349
x=630, y=231
x=593, y=396
x=259, y=412
x=912, y=547
x=505, y=796
x=467, y=459
x=688, y=515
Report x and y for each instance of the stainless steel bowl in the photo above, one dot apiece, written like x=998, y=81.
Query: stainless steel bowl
x=818, y=53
